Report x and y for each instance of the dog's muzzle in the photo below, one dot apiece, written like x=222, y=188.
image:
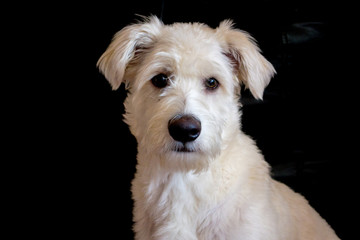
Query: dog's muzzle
x=184, y=128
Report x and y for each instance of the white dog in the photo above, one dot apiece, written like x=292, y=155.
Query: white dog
x=198, y=176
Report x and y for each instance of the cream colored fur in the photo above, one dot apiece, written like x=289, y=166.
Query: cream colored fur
x=222, y=189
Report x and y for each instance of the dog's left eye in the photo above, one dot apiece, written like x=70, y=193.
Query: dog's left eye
x=211, y=83
x=160, y=80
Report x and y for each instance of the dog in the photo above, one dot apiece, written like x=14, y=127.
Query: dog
x=198, y=175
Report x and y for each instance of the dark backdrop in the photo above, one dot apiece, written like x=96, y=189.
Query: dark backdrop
x=301, y=126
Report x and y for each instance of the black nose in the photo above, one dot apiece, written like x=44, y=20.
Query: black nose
x=184, y=128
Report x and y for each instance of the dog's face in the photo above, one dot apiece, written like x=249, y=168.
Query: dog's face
x=184, y=84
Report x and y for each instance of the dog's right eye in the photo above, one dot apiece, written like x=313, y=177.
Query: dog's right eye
x=160, y=80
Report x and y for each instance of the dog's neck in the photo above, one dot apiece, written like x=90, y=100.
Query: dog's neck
x=198, y=195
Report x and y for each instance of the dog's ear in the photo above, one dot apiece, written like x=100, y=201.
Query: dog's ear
x=252, y=69
x=127, y=46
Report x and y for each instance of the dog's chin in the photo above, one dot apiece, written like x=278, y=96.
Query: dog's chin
x=184, y=148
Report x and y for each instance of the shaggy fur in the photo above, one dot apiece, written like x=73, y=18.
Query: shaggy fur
x=217, y=186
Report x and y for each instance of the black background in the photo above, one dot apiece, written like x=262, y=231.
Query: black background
x=83, y=164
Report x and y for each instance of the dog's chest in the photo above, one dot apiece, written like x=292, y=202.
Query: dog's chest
x=177, y=195
x=189, y=206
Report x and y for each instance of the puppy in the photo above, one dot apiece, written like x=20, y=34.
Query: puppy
x=198, y=175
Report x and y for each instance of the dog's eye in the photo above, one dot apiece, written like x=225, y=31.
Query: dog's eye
x=211, y=83
x=160, y=80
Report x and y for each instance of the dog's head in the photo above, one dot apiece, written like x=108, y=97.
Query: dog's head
x=184, y=82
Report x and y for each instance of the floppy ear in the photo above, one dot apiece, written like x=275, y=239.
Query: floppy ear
x=125, y=47
x=252, y=69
